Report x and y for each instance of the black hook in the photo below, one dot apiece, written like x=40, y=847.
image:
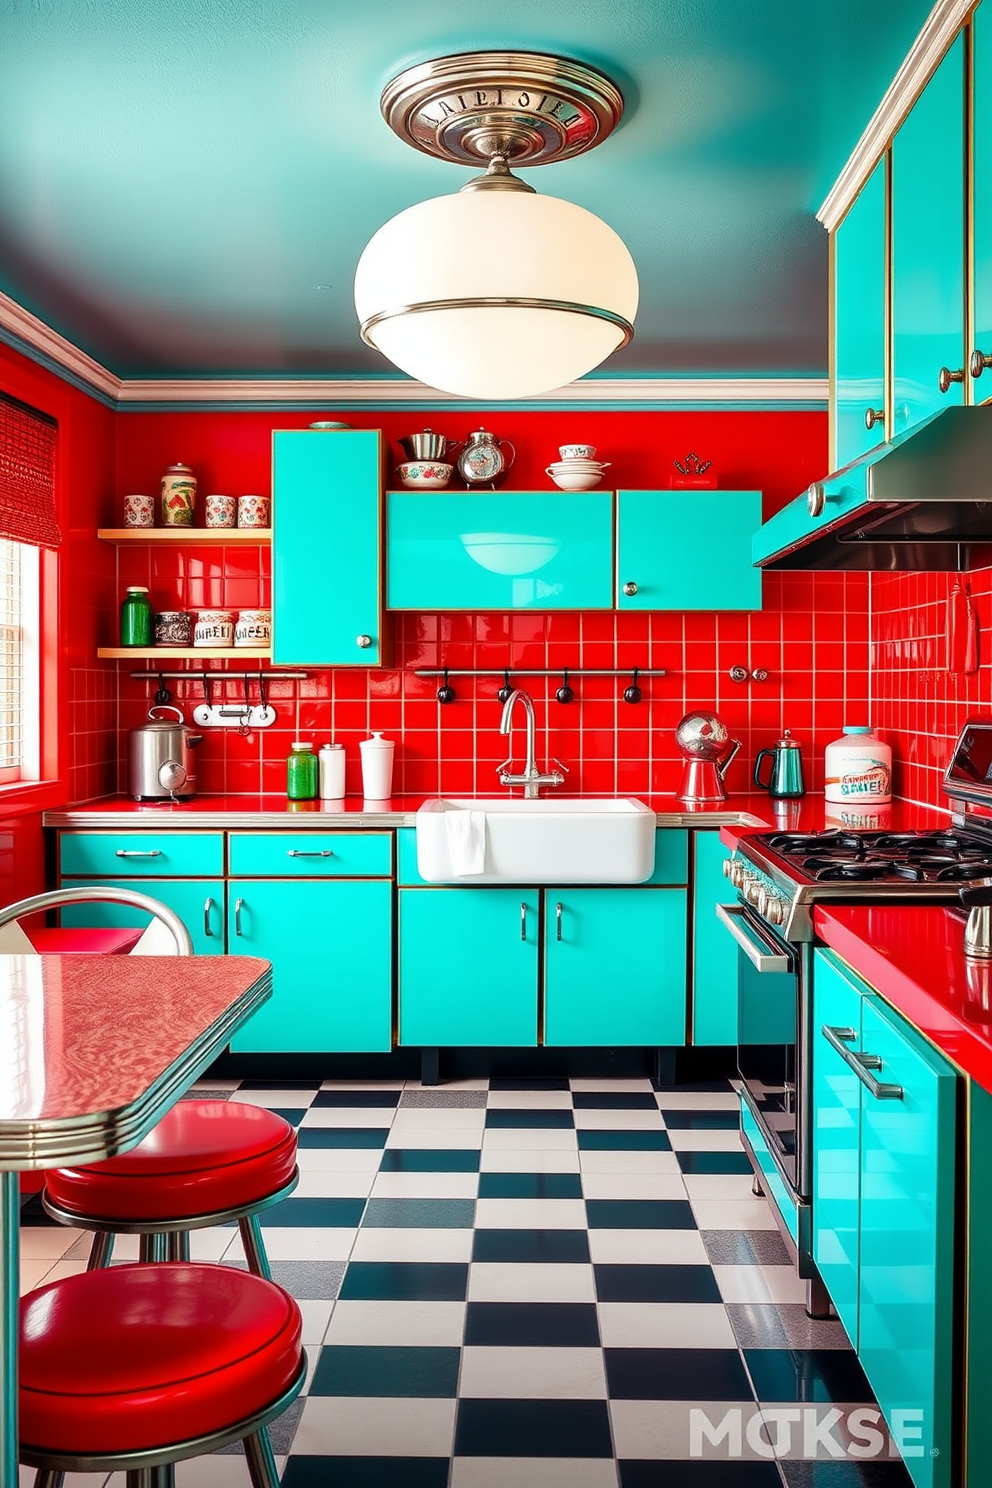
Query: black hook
x=633, y=694
x=446, y=694
x=163, y=696
x=504, y=693
x=565, y=694
x=208, y=689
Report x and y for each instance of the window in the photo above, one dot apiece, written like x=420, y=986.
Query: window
x=19, y=671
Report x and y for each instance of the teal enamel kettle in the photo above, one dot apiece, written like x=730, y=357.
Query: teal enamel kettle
x=786, y=777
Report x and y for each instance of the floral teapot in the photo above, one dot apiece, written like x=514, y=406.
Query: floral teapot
x=482, y=461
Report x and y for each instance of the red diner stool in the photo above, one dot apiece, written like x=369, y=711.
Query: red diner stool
x=135, y=1368
x=206, y=1162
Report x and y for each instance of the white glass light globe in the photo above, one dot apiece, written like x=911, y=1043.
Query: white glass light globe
x=511, y=244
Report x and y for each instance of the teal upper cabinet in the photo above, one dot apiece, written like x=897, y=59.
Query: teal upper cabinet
x=859, y=322
x=687, y=550
x=981, y=197
x=500, y=551
x=326, y=548
x=928, y=248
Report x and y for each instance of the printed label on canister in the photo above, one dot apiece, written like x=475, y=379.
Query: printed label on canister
x=865, y=779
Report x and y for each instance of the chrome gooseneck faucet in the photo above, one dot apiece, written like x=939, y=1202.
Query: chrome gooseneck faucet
x=532, y=779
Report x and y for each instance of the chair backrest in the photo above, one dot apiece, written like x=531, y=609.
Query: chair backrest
x=59, y=898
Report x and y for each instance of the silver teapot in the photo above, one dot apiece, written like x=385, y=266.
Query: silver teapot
x=482, y=461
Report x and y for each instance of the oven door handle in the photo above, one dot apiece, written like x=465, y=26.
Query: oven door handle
x=756, y=950
x=861, y=1064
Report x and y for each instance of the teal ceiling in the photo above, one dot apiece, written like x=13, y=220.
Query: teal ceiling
x=186, y=186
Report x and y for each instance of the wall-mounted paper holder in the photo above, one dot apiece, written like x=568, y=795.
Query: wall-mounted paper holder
x=234, y=715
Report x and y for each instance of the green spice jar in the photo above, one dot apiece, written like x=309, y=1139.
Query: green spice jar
x=301, y=773
x=137, y=619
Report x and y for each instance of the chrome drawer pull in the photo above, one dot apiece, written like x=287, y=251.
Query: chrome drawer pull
x=132, y=852
x=294, y=852
x=207, y=907
x=558, y=922
x=523, y=921
x=861, y=1064
x=756, y=951
x=238, y=906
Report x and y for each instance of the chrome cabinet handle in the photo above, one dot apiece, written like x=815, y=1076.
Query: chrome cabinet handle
x=207, y=907
x=630, y=590
x=979, y=361
x=946, y=377
x=816, y=499
x=132, y=852
x=294, y=852
x=861, y=1064
x=756, y=951
x=523, y=921
x=873, y=416
x=557, y=922
x=238, y=906
x=363, y=642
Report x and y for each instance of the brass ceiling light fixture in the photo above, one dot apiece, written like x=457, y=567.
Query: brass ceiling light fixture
x=495, y=291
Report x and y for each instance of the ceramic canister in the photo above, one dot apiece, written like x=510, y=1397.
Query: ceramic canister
x=253, y=511
x=254, y=628
x=139, y=511
x=220, y=511
x=214, y=628
x=173, y=628
x=178, y=496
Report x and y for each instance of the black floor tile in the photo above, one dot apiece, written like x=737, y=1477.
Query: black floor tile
x=532, y=1324
x=366, y=1472
x=355, y=1098
x=676, y=1374
x=33, y=1213
x=420, y=1214
x=646, y=1283
x=530, y=1119
x=529, y=1082
x=700, y=1120
x=423, y=1373
x=745, y=1248
x=847, y=1475
x=343, y=1136
x=532, y=1428
x=614, y=1100
x=833, y=1375
x=507, y=1246
x=293, y=1114
x=530, y=1186
x=405, y=1281
x=429, y=1160
x=714, y=1162
x=701, y=1474
x=623, y=1141
x=337, y=1214
x=640, y=1214
x=249, y=1085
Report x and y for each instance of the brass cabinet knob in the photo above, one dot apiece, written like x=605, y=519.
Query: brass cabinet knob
x=630, y=590
x=816, y=499
x=364, y=642
x=979, y=361
x=947, y=377
x=873, y=416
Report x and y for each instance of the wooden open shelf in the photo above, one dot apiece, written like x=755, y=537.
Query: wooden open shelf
x=217, y=536
x=167, y=654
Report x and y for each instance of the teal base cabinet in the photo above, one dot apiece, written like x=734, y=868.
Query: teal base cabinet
x=330, y=944
x=615, y=966
x=468, y=967
x=714, y=954
x=198, y=902
x=883, y=1208
x=687, y=550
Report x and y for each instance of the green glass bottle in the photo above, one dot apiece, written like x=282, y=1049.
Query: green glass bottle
x=137, y=620
x=301, y=773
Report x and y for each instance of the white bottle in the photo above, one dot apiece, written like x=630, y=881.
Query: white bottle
x=858, y=768
x=377, y=767
x=331, y=762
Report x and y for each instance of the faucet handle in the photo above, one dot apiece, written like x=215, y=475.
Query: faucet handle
x=505, y=765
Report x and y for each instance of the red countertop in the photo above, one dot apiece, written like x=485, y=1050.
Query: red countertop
x=914, y=958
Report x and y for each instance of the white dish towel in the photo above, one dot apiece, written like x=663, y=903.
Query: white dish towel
x=466, y=831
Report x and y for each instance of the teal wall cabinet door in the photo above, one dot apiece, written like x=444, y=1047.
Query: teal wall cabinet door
x=714, y=954
x=906, y=1291
x=836, y=1141
x=468, y=966
x=687, y=550
x=615, y=962
x=981, y=195
x=500, y=551
x=198, y=902
x=860, y=251
x=928, y=249
x=326, y=548
x=330, y=944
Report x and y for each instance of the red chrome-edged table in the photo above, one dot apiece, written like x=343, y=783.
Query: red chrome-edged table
x=93, y=1052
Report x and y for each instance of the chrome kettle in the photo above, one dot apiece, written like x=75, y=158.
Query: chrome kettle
x=160, y=758
x=482, y=461
x=977, y=900
x=785, y=779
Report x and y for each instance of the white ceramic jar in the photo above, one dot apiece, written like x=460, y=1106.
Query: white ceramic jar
x=377, y=767
x=330, y=760
x=214, y=628
x=858, y=768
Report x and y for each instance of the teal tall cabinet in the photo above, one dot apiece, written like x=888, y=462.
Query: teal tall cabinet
x=687, y=550
x=860, y=322
x=327, y=601
x=928, y=247
x=714, y=954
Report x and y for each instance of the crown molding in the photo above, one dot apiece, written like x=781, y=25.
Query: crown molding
x=939, y=30
x=24, y=331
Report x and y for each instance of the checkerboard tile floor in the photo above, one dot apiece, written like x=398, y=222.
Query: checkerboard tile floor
x=523, y=1283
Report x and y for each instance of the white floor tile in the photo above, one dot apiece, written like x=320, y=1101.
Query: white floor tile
x=705, y=1141
x=426, y=1186
x=389, y=1323
x=618, y=1121
x=440, y=1116
x=412, y=1245
x=289, y=1100
x=661, y=1429
x=530, y=1100
x=201, y=1087
x=316, y=1316
x=354, y=1426
x=632, y=1186
x=759, y=1284
x=533, y=1374
x=641, y=1085
x=733, y=1214
x=530, y=1214
x=534, y=1472
x=490, y=1281
x=339, y=1159
x=665, y=1325
x=647, y=1247
x=308, y=1244
x=698, y=1100
x=630, y=1162
x=332, y=1183
x=722, y=1187
x=376, y=1116
x=31, y=1273
x=437, y=1138
x=542, y=1139
x=48, y=1242
x=383, y=1085
x=208, y=1245
x=530, y=1160
x=60, y=1269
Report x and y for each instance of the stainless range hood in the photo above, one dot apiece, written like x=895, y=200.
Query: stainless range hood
x=923, y=501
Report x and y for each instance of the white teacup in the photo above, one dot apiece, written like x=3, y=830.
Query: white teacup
x=577, y=451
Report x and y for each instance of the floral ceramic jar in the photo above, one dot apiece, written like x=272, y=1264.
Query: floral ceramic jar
x=178, y=496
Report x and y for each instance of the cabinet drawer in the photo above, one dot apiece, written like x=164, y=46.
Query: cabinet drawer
x=311, y=854
x=142, y=854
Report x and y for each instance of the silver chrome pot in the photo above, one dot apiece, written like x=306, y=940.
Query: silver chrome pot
x=429, y=446
x=160, y=758
x=706, y=746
